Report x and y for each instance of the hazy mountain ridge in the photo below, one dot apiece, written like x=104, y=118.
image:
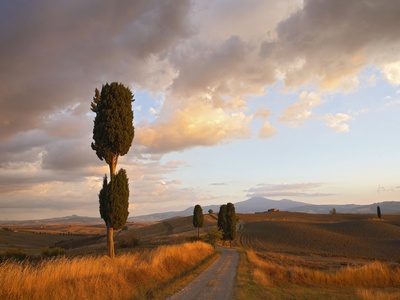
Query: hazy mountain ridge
x=74, y=219
x=261, y=204
x=252, y=205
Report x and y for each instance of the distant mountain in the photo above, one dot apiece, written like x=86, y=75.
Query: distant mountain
x=260, y=204
x=74, y=219
x=390, y=207
x=252, y=205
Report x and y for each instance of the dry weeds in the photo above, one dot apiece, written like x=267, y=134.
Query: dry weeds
x=370, y=281
x=125, y=277
x=374, y=274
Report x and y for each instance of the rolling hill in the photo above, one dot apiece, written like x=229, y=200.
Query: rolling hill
x=252, y=205
x=260, y=204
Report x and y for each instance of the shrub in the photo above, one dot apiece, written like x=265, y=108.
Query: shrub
x=129, y=242
x=53, y=251
x=15, y=254
x=213, y=236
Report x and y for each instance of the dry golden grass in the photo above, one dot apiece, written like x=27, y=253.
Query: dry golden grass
x=374, y=280
x=368, y=294
x=374, y=274
x=128, y=276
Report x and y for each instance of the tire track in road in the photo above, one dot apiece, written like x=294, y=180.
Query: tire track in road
x=216, y=282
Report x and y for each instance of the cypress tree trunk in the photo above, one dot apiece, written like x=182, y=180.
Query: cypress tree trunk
x=110, y=241
x=198, y=233
x=113, y=166
x=110, y=230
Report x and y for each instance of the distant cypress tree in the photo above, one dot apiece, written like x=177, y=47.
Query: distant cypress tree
x=379, y=212
x=222, y=221
x=230, y=223
x=227, y=222
x=198, y=218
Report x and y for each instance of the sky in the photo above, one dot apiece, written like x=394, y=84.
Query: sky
x=234, y=99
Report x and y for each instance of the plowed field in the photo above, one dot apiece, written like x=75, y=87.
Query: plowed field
x=354, y=238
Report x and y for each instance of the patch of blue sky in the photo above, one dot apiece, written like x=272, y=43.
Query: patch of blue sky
x=147, y=105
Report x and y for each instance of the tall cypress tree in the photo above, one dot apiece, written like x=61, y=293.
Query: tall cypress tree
x=113, y=133
x=227, y=222
x=230, y=223
x=198, y=218
x=222, y=221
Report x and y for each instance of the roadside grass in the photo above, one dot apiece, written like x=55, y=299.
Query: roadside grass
x=262, y=278
x=142, y=275
x=246, y=287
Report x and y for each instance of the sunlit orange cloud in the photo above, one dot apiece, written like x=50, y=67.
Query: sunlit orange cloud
x=266, y=131
x=263, y=113
x=199, y=124
x=343, y=79
x=392, y=72
x=336, y=122
x=300, y=111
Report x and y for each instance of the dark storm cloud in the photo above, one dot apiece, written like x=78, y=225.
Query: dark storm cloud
x=330, y=40
x=55, y=51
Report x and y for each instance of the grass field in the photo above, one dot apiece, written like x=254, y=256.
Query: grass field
x=283, y=256
x=141, y=275
x=300, y=256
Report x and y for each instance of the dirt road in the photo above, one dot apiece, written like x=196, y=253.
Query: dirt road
x=217, y=282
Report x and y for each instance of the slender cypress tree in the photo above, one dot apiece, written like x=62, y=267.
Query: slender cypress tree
x=113, y=133
x=230, y=223
x=222, y=221
x=227, y=222
x=198, y=218
x=379, y=212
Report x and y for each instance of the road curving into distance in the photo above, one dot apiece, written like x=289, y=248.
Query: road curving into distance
x=216, y=282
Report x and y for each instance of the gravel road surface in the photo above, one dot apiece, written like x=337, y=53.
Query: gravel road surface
x=216, y=282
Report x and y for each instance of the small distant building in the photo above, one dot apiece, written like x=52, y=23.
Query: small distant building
x=267, y=211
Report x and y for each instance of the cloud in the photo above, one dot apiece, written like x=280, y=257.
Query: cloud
x=60, y=59
x=262, y=113
x=47, y=62
x=266, y=131
x=194, y=125
x=334, y=42
x=286, y=190
x=392, y=72
x=336, y=122
x=218, y=183
x=255, y=18
x=206, y=67
x=297, y=113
